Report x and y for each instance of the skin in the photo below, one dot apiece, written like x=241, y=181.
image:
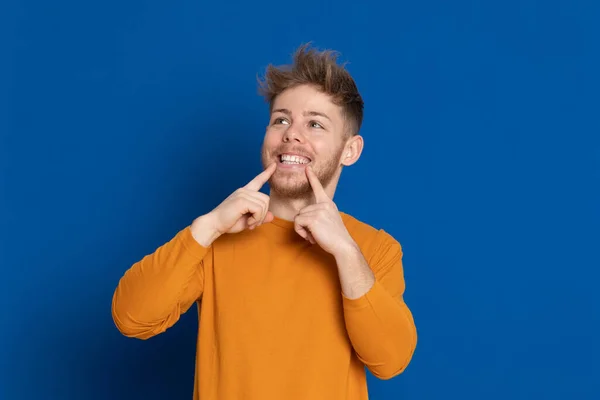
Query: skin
x=323, y=139
x=302, y=193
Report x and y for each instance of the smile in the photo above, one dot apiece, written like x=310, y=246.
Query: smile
x=293, y=159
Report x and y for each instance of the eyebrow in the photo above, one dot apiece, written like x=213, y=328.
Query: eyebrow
x=311, y=113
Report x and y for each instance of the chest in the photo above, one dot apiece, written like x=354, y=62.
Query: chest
x=265, y=288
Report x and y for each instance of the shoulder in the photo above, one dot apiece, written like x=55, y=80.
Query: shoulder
x=374, y=242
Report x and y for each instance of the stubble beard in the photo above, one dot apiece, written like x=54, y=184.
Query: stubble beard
x=295, y=185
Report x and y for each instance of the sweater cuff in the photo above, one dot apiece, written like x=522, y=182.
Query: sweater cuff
x=373, y=296
x=191, y=245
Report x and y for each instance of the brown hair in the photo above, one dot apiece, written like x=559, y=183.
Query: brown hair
x=320, y=69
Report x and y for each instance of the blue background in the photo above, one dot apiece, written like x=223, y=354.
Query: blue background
x=123, y=121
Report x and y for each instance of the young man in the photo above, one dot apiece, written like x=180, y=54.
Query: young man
x=295, y=298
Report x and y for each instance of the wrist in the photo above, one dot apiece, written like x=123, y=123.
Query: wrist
x=345, y=250
x=356, y=277
x=203, y=230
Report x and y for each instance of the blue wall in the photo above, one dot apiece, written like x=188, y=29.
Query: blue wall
x=122, y=121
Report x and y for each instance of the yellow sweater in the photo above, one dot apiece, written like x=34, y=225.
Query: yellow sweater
x=273, y=322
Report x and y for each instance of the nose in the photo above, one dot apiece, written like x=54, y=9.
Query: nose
x=291, y=134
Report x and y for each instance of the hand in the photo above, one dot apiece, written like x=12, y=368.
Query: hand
x=321, y=222
x=246, y=208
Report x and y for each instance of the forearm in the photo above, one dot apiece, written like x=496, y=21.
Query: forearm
x=380, y=326
x=155, y=291
x=356, y=277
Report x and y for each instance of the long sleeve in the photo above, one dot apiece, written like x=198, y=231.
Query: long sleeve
x=153, y=294
x=380, y=324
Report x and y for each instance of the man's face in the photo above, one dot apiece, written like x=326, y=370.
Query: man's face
x=305, y=128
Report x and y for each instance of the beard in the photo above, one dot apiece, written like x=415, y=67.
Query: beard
x=295, y=184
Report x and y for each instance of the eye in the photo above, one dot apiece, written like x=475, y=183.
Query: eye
x=280, y=121
x=315, y=124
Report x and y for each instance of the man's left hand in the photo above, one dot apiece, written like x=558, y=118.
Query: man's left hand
x=321, y=222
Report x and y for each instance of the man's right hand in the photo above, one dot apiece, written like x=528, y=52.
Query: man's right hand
x=246, y=208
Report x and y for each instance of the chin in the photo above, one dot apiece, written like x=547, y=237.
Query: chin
x=291, y=186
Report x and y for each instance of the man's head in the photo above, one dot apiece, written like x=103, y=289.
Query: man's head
x=316, y=113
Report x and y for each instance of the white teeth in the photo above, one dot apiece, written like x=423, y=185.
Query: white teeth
x=287, y=159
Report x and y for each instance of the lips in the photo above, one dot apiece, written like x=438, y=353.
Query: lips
x=294, y=159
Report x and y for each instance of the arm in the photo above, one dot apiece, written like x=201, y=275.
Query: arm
x=153, y=294
x=157, y=290
x=379, y=323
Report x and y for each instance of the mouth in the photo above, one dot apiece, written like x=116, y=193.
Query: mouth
x=289, y=159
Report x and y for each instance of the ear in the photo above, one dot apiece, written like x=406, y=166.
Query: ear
x=352, y=150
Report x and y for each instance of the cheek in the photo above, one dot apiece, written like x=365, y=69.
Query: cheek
x=272, y=139
x=321, y=149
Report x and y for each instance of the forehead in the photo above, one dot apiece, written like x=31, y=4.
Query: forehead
x=305, y=98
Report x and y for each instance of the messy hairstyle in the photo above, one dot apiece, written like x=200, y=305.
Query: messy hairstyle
x=321, y=70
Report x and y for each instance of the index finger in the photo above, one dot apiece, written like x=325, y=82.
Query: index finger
x=262, y=178
x=320, y=194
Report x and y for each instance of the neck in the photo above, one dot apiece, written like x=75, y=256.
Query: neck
x=286, y=208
